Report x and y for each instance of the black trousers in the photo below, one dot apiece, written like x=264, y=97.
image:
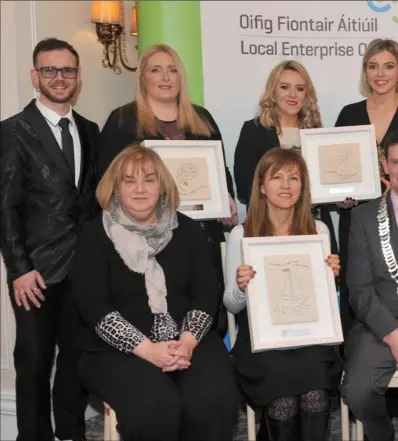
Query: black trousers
x=38, y=331
x=347, y=316
x=194, y=405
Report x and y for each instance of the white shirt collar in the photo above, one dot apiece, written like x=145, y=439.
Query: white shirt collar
x=394, y=201
x=51, y=116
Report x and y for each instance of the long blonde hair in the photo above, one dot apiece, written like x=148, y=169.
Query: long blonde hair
x=257, y=222
x=187, y=118
x=309, y=116
x=375, y=47
x=139, y=157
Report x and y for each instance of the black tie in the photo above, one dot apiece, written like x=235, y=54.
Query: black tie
x=67, y=145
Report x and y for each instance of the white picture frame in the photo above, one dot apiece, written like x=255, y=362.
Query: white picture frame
x=264, y=334
x=216, y=203
x=367, y=186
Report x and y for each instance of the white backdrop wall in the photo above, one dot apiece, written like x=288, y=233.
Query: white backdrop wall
x=243, y=40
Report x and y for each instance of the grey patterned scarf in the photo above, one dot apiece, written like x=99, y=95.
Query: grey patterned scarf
x=138, y=246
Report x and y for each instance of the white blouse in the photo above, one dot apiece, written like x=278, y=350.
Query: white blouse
x=290, y=137
x=234, y=298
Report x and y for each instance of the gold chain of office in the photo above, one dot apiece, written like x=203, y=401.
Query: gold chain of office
x=385, y=239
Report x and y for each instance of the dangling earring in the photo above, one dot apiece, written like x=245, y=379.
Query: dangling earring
x=162, y=200
x=115, y=201
x=161, y=204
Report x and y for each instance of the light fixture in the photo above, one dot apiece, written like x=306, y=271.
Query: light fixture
x=108, y=17
x=134, y=32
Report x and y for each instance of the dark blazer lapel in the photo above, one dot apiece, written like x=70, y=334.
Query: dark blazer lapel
x=393, y=226
x=393, y=126
x=85, y=148
x=273, y=138
x=45, y=135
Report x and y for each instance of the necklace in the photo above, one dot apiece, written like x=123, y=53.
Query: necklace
x=385, y=240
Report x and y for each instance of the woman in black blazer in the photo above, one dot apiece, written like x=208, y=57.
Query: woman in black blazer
x=288, y=104
x=379, y=82
x=146, y=290
x=162, y=110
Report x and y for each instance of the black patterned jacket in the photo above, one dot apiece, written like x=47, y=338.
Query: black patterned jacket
x=42, y=211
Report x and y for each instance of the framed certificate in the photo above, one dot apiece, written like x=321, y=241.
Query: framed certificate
x=342, y=162
x=292, y=300
x=198, y=170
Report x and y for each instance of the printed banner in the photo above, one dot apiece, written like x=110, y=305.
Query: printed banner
x=243, y=40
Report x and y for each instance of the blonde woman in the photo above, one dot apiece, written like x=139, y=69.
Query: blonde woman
x=162, y=110
x=379, y=84
x=147, y=293
x=292, y=386
x=289, y=103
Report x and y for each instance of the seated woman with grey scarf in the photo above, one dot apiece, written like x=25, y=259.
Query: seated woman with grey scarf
x=146, y=290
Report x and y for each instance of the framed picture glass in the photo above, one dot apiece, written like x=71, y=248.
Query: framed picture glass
x=292, y=300
x=198, y=170
x=342, y=162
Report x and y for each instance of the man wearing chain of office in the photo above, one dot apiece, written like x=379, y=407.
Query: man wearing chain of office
x=372, y=278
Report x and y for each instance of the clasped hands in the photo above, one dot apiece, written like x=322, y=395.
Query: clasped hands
x=245, y=273
x=170, y=355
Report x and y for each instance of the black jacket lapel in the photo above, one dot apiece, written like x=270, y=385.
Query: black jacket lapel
x=45, y=135
x=273, y=138
x=84, y=147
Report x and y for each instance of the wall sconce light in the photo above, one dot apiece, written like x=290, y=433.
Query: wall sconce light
x=109, y=20
x=134, y=32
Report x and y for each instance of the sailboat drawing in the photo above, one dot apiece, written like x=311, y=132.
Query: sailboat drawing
x=295, y=300
x=290, y=288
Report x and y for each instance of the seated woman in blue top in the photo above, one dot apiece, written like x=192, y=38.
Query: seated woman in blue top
x=293, y=385
x=146, y=290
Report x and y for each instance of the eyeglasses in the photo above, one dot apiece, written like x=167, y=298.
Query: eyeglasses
x=52, y=71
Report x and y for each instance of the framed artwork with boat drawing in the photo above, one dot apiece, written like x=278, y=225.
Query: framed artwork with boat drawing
x=292, y=301
x=342, y=162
